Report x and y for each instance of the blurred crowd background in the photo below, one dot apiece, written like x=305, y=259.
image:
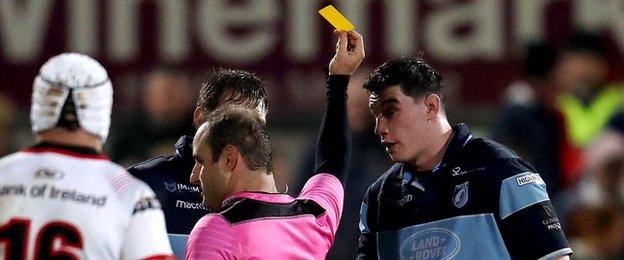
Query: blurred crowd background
x=543, y=77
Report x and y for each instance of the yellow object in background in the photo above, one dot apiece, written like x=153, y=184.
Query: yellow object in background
x=336, y=18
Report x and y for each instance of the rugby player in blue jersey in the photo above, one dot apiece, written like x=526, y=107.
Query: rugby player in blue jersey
x=450, y=195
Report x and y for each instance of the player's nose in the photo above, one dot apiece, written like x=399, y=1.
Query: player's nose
x=194, y=178
x=381, y=127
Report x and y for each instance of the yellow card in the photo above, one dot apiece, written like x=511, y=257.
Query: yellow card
x=336, y=18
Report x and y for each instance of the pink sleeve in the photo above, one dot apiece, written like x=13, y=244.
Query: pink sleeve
x=212, y=238
x=326, y=190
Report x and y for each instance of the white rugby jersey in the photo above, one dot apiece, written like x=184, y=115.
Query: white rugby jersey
x=67, y=201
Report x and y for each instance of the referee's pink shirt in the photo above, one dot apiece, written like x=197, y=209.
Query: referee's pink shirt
x=294, y=237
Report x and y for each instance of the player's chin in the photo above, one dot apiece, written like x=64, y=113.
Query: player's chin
x=395, y=156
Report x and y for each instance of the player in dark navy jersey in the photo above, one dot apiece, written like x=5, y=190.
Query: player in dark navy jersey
x=252, y=220
x=450, y=195
x=168, y=176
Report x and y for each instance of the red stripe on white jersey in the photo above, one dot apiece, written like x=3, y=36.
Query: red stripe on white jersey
x=65, y=152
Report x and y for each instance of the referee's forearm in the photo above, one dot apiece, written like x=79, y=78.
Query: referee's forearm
x=333, y=149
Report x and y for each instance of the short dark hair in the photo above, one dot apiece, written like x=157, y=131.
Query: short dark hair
x=415, y=77
x=243, y=128
x=69, y=117
x=235, y=87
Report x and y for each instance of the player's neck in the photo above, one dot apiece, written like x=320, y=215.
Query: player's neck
x=442, y=136
x=71, y=138
x=257, y=181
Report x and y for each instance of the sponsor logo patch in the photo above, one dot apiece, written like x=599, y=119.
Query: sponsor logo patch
x=146, y=203
x=551, y=222
x=49, y=173
x=171, y=186
x=405, y=199
x=189, y=205
x=457, y=171
x=174, y=187
x=548, y=209
x=529, y=178
x=434, y=243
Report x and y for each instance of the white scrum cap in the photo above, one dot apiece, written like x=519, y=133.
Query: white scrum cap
x=91, y=89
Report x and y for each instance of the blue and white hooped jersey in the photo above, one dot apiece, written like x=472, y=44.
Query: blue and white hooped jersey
x=482, y=202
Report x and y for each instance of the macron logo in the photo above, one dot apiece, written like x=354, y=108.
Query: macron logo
x=189, y=205
x=529, y=178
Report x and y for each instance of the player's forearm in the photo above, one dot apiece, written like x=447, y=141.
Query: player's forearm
x=334, y=142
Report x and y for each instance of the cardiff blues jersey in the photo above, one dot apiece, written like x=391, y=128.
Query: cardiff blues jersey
x=481, y=202
x=169, y=177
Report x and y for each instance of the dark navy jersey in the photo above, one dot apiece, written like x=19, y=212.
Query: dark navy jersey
x=481, y=202
x=169, y=176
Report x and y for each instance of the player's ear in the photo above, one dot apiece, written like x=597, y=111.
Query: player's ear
x=231, y=157
x=198, y=116
x=433, y=104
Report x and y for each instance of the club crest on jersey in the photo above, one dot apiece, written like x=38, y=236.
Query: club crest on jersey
x=171, y=186
x=460, y=196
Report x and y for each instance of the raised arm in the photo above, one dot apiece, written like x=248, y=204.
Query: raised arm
x=334, y=142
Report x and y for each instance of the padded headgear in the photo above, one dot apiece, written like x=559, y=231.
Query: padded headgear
x=90, y=88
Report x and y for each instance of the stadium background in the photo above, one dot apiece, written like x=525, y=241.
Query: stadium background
x=477, y=45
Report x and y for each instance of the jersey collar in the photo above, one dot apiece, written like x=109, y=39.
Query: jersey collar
x=461, y=136
x=74, y=151
x=259, y=196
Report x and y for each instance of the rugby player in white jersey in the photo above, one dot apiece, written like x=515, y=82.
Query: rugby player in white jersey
x=62, y=198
